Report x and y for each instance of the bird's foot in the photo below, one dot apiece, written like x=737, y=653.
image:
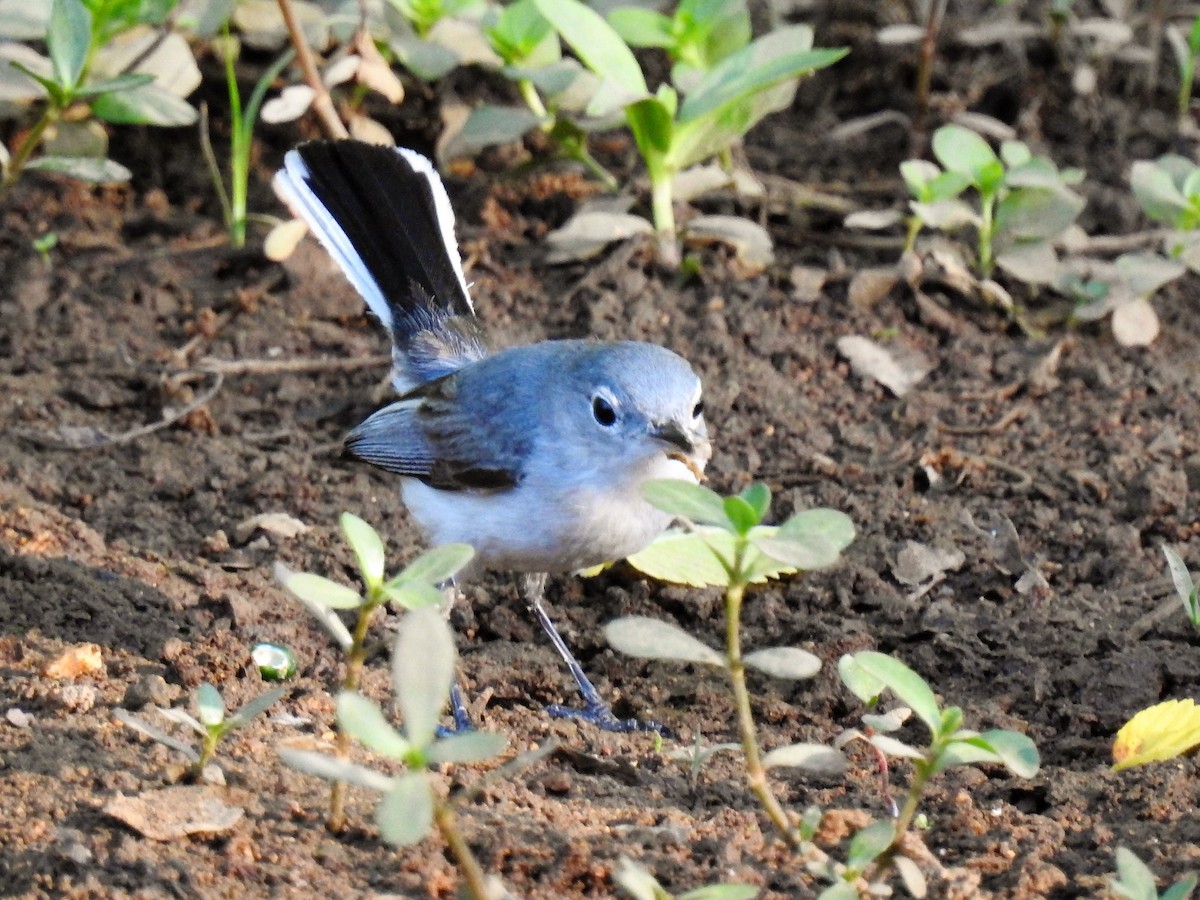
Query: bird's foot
x=602, y=717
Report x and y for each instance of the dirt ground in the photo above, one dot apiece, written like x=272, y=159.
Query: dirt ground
x=1090, y=451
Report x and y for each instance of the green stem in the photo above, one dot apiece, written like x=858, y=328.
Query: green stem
x=208, y=749
x=31, y=142
x=239, y=156
x=532, y=99
x=910, y=237
x=356, y=657
x=1185, y=89
x=663, y=209
x=986, y=226
x=476, y=886
x=756, y=775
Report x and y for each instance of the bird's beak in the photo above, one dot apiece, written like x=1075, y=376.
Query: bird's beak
x=690, y=447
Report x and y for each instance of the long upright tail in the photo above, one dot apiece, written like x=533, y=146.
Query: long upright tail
x=384, y=216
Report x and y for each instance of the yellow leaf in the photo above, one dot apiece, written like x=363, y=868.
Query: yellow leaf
x=1160, y=732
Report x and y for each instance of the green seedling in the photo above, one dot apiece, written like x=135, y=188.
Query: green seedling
x=422, y=670
x=1186, y=49
x=1168, y=190
x=875, y=849
x=234, y=201
x=211, y=723
x=1022, y=202
x=1135, y=881
x=636, y=881
x=727, y=545
x=414, y=588
x=531, y=57
x=432, y=37
x=43, y=244
x=696, y=756
x=671, y=132
x=1185, y=585
x=76, y=33
x=697, y=36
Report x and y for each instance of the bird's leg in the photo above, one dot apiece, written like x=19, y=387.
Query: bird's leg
x=594, y=709
x=458, y=707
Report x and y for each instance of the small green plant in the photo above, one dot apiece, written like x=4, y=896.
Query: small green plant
x=875, y=849
x=414, y=588
x=1168, y=190
x=636, y=881
x=1135, y=881
x=1023, y=202
x=697, y=36
x=672, y=133
x=76, y=33
x=422, y=669
x=727, y=545
x=1186, y=49
x=234, y=201
x=1185, y=585
x=211, y=723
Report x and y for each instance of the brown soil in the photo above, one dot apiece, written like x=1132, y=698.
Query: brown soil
x=1089, y=449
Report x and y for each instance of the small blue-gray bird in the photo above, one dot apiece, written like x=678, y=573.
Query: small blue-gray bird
x=534, y=455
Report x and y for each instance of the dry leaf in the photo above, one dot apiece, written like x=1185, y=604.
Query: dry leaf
x=175, y=812
x=1135, y=324
x=1158, y=733
x=898, y=372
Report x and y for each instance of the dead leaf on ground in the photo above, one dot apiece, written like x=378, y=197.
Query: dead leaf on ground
x=175, y=812
x=917, y=563
x=897, y=370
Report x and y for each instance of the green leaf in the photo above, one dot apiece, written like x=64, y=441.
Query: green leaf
x=1037, y=213
x=842, y=890
x=85, y=168
x=648, y=638
x=596, y=43
x=903, y=682
x=319, y=590
x=489, y=125
x=1015, y=154
x=437, y=565
x=652, y=125
x=325, y=616
x=868, y=843
x=1185, y=586
x=467, y=747
x=784, y=662
x=640, y=27
x=1016, y=751
x=1181, y=890
x=687, y=501
x=772, y=58
x=157, y=734
x=741, y=514
x=210, y=705
x=519, y=31
x=367, y=546
x=423, y=669
x=255, y=707
x=68, y=38
x=148, y=105
x=817, y=758
x=405, y=814
x=961, y=150
x=332, y=769
x=364, y=721
x=413, y=594
x=120, y=83
x=809, y=540
x=758, y=495
x=1159, y=195
x=1136, y=881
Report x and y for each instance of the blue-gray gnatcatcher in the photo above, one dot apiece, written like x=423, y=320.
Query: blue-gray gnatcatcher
x=534, y=455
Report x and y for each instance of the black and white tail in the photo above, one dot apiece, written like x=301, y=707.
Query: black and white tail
x=384, y=216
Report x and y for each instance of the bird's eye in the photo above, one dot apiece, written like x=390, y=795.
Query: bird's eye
x=698, y=409
x=604, y=412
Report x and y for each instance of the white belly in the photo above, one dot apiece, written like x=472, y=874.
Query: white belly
x=534, y=529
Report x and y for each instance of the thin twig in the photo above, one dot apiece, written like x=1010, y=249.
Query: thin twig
x=289, y=366
x=322, y=103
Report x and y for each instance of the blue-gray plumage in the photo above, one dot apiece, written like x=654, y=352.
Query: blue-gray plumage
x=534, y=455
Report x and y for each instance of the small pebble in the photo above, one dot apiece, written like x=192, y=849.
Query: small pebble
x=78, y=698
x=19, y=718
x=149, y=689
x=558, y=783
